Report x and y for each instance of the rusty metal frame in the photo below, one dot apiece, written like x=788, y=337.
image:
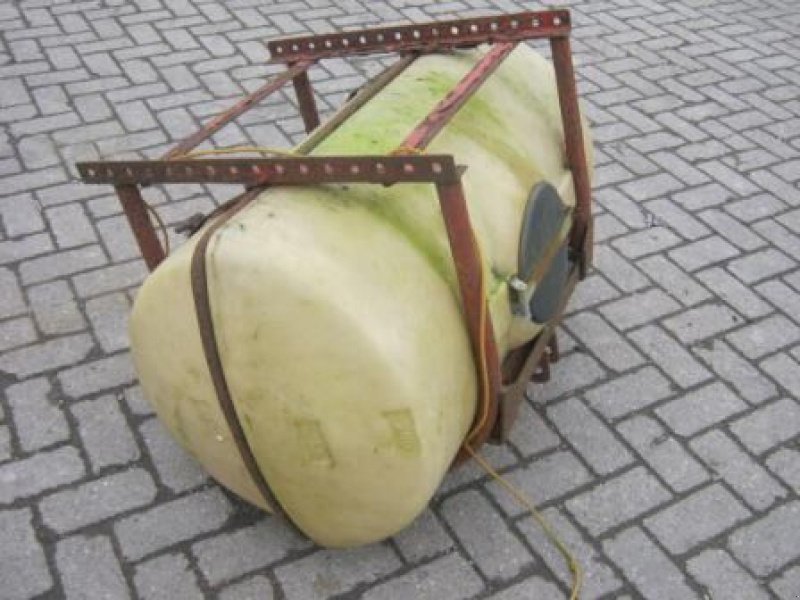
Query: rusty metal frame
x=432, y=124
x=297, y=73
x=430, y=168
x=507, y=382
x=435, y=36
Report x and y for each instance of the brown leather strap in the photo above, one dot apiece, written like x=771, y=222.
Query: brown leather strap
x=205, y=322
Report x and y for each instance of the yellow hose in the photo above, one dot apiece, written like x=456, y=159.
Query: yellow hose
x=238, y=150
x=518, y=495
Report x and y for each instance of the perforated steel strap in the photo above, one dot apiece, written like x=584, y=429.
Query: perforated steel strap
x=205, y=322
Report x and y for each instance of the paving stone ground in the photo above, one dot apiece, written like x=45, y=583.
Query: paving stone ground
x=666, y=449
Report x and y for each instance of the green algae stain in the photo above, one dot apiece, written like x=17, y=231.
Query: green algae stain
x=380, y=127
x=382, y=124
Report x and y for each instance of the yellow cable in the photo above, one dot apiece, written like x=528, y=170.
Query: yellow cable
x=484, y=368
x=407, y=150
x=214, y=152
x=237, y=150
x=519, y=496
x=161, y=225
x=572, y=562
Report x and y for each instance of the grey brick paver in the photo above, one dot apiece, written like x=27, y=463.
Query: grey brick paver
x=424, y=538
x=231, y=554
x=747, y=380
x=534, y=435
x=672, y=357
x=663, y=453
x=782, y=296
x=21, y=215
x=70, y=225
x=704, y=514
x=764, y=337
x=734, y=293
x=610, y=347
x=639, y=308
x=166, y=578
x=770, y=542
x=723, y=578
x=5, y=443
x=89, y=569
x=769, y=425
x=96, y=500
x=99, y=375
x=109, y=318
x=23, y=569
x=54, y=308
x=587, y=434
x=488, y=541
x=447, y=578
x=39, y=472
x=255, y=587
x=680, y=371
x=617, y=501
x=37, y=358
x=172, y=522
x=617, y=269
x=629, y=393
x=38, y=420
x=573, y=372
x=732, y=230
x=647, y=567
x=331, y=572
x=703, y=322
x=751, y=481
x=62, y=263
x=787, y=585
x=176, y=469
x=785, y=463
x=534, y=587
x=758, y=266
x=754, y=208
x=120, y=276
x=16, y=332
x=699, y=409
x=703, y=253
x=104, y=432
x=669, y=213
x=598, y=578
x=24, y=247
x=499, y=457
x=547, y=478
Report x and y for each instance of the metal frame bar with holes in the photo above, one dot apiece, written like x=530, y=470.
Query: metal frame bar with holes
x=507, y=384
x=410, y=38
x=431, y=168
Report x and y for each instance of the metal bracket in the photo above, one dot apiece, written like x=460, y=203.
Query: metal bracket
x=300, y=170
x=428, y=37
